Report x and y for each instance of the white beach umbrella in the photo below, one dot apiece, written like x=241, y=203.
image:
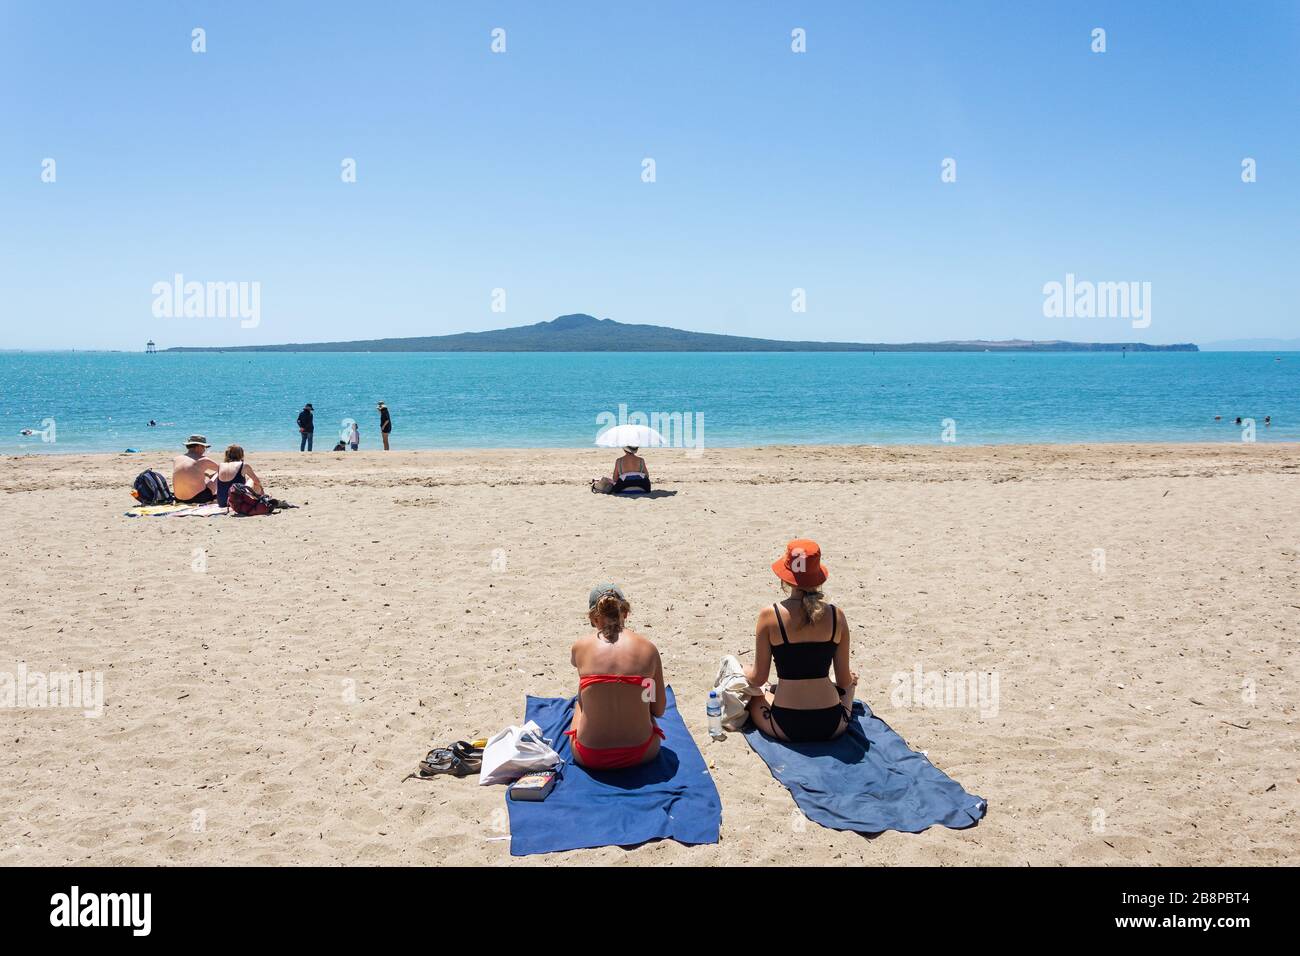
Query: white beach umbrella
x=638, y=436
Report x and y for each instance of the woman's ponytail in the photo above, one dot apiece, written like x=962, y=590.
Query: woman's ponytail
x=608, y=614
x=814, y=604
x=812, y=600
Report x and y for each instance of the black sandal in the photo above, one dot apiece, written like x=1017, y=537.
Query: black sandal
x=461, y=759
x=470, y=757
x=439, y=760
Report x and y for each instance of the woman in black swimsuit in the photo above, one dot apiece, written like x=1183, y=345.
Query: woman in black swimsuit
x=630, y=473
x=805, y=637
x=235, y=471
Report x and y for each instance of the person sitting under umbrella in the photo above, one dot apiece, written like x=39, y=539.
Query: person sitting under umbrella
x=631, y=474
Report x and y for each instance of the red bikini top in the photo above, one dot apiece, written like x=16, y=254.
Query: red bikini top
x=635, y=680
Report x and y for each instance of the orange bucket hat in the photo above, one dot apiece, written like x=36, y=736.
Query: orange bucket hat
x=801, y=565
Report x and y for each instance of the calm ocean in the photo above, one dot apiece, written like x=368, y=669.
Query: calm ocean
x=102, y=401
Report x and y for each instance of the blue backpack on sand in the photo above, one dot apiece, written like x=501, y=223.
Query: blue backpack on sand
x=151, y=488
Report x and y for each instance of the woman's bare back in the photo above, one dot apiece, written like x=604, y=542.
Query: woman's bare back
x=617, y=714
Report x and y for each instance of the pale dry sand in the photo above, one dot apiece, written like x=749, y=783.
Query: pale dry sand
x=226, y=691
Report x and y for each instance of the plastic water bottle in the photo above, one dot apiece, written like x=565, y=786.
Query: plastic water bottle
x=714, y=710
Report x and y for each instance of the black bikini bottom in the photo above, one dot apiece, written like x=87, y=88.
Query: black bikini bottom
x=202, y=498
x=803, y=726
x=624, y=484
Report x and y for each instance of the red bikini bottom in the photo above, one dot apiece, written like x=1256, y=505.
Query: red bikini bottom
x=611, y=758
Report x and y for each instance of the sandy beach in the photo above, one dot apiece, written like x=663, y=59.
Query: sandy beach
x=271, y=683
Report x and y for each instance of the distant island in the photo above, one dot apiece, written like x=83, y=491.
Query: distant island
x=1254, y=345
x=585, y=333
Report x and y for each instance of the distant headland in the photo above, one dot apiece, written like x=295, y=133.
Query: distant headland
x=585, y=333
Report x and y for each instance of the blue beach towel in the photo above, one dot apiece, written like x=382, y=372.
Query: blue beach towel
x=867, y=780
x=671, y=797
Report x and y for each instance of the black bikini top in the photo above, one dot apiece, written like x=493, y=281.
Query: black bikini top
x=807, y=660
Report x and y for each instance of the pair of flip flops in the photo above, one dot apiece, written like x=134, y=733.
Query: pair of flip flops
x=461, y=759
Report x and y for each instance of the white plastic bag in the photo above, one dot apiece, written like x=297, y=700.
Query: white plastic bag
x=514, y=752
x=735, y=690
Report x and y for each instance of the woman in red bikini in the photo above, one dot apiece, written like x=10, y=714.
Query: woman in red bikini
x=620, y=688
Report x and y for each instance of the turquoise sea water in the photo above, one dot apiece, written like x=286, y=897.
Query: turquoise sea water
x=101, y=401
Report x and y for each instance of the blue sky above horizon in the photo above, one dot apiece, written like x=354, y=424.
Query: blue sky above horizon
x=522, y=170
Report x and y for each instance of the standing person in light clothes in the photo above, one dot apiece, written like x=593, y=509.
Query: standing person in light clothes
x=385, y=423
x=354, y=437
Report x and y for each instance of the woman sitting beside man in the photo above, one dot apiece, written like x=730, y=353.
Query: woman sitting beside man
x=631, y=474
x=805, y=637
x=235, y=471
x=620, y=688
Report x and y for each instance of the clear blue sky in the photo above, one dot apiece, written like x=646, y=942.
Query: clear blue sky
x=522, y=170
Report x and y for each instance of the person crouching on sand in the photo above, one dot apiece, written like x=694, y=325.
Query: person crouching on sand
x=805, y=637
x=620, y=688
x=190, y=482
x=235, y=471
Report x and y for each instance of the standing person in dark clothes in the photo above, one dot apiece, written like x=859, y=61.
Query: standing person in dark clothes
x=385, y=423
x=307, y=426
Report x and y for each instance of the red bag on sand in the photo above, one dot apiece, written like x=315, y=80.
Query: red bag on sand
x=243, y=501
